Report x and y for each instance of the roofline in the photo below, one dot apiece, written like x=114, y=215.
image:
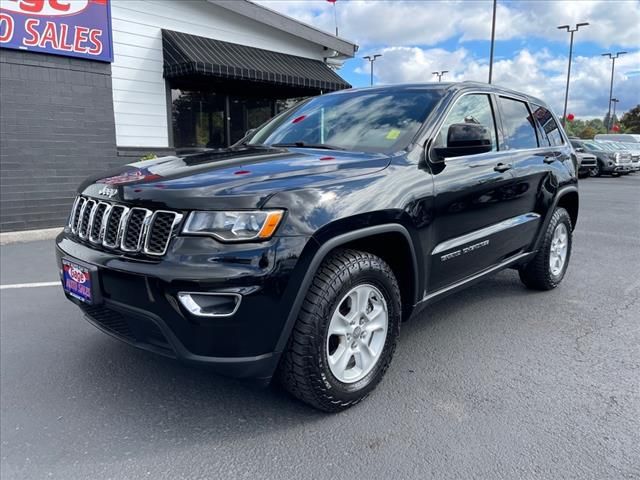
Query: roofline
x=259, y=13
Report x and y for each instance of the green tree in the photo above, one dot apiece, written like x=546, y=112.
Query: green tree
x=630, y=121
x=587, y=133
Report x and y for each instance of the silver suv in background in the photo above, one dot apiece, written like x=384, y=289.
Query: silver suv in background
x=609, y=161
x=621, y=155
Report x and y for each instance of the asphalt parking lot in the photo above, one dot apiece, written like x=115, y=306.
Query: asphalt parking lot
x=495, y=382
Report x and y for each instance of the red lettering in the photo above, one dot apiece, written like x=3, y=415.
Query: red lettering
x=56, y=5
x=32, y=6
x=49, y=36
x=64, y=30
x=6, y=28
x=79, y=38
x=29, y=26
x=97, y=43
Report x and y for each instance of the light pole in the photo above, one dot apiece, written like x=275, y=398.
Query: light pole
x=372, y=58
x=493, y=39
x=613, y=67
x=440, y=74
x=614, y=101
x=566, y=93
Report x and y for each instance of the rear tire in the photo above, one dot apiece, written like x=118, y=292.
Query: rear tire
x=547, y=269
x=348, y=288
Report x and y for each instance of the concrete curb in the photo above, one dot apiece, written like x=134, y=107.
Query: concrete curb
x=8, y=238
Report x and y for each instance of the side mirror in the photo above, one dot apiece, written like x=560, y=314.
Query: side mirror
x=580, y=149
x=464, y=139
x=249, y=132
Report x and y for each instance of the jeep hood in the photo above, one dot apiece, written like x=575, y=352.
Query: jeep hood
x=233, y=178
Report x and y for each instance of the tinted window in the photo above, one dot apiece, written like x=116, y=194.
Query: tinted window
x=519, y=127
x=362, y=121
x=552, y=134
x=469, y=109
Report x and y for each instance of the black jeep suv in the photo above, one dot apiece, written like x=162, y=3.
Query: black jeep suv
x=298, y=252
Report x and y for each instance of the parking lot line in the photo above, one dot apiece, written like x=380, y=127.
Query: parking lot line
x=29, y=285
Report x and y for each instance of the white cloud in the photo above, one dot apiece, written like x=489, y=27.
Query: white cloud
x=536, y=73
x=402, y=22
x=409, y=33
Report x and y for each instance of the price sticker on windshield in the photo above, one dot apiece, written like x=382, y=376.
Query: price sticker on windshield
x=393, y=134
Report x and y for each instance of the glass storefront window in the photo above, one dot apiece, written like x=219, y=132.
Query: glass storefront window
x=248, y=113
x=198, y=119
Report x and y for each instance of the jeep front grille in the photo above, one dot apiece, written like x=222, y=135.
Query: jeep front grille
x=116, y=227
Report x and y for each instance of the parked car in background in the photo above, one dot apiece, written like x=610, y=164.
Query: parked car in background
x=617, y=137
x=608, y=161
x=622, y=153
x=587, y=162
x=634, y=149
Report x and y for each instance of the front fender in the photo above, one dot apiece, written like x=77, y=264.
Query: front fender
x=316, y=251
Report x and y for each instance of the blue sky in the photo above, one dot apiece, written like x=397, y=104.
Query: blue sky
x=417, y=37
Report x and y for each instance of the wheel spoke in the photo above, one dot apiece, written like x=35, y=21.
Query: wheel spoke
x=364, y=357
x=362, y=295
x=343, y=361
x=377, y=320
x=340, y=325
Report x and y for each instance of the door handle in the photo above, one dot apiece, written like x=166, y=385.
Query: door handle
x=503, y=167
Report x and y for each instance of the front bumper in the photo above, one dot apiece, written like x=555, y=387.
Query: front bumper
x=139, y=299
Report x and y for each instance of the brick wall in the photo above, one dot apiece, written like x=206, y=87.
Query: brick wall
x=56, y=128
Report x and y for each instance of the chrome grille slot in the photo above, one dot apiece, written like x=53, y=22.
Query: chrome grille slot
x=117, y=227
x=112, y=229
x=85, y=218
x=97, y=224
x=160, y=229
x=134, y=229
x=76, y=214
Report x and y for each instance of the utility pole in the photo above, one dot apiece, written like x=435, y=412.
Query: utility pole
x=566, y=93
x=615, y=102
x=493, y=39
x=372, y=58
x=613, y=67
x=440, y=74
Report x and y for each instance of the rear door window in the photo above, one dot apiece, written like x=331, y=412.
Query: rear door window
x=518, y=124
x=549, y=126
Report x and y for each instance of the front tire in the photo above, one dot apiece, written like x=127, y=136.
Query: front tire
x=547, y=269
x=346, y=332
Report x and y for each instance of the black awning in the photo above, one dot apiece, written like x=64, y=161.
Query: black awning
x=187, y=55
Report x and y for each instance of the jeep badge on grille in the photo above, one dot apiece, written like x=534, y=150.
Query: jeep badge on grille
x=108, y=192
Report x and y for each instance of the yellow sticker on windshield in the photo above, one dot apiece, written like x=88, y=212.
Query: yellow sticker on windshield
x=393, y=134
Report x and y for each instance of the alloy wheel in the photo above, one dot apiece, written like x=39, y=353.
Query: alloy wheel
x=357, y=333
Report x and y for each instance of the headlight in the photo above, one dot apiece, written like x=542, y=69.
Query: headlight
x=234, y=226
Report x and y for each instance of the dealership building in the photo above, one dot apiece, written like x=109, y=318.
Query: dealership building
x=88, y=85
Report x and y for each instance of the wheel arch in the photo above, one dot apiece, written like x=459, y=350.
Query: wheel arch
x=567, y=197
x=373, y=239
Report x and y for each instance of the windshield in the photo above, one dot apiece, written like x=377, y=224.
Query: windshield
x=367, y=121
x=593, y=146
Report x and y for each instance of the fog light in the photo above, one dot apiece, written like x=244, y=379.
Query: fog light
x=210, y=304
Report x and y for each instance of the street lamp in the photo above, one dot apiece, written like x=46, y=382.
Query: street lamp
x=493, y=39
x=371, y=60
x=613, y=66
x=614, y=101
x=440, y=74
x=566, y=93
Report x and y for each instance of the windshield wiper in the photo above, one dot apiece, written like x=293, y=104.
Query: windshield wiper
x=323, y=146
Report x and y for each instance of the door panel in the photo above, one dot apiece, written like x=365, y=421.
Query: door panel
x=475, y=215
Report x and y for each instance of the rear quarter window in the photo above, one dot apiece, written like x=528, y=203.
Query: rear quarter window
x=551, y=135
